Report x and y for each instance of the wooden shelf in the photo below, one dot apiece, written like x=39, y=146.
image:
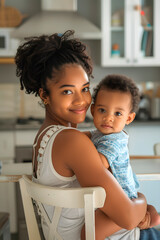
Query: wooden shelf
x=7, y=60
x=144, y=157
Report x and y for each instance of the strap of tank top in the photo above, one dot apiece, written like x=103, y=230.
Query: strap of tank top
x=45, y=140
x=35, y=144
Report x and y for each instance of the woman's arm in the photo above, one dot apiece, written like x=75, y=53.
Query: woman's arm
x=81, y=157
x=87, y=133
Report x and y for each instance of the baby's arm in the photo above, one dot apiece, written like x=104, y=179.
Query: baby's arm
x=104, y=160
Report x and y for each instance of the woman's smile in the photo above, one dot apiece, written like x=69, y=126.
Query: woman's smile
x=79, y=111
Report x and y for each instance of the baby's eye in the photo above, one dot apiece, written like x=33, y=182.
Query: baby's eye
x=86, y=89
x=67, y=92
x=118, y=114
x=101, y=110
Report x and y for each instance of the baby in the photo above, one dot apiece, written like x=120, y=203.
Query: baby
x=115, y=102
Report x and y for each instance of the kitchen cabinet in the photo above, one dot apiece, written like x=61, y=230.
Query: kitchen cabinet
x=7, y=190
x=130, y=33
x=133, y=34
x=9, y=141
x=142, y=137
x=7, y=145
x=149, y=188
x=28, y=140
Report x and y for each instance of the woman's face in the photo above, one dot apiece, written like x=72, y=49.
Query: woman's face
x=69, y=97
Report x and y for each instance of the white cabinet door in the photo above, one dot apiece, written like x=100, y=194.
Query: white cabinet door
x=6, y=145
x=149, y=188
x=8, y=200
x=142, y=138
x=25, y=137
x=7, y=190
x=130, y=33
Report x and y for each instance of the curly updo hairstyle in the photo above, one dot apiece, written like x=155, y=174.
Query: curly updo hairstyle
x=121, y=83
x=39, y=58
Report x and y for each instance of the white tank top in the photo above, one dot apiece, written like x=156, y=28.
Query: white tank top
x=71, y=220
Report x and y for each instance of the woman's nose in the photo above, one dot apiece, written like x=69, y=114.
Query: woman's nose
x=79, y=99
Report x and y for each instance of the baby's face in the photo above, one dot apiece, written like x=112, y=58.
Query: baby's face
x=111, y=111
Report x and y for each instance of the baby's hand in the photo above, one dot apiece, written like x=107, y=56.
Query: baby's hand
x=155, y=217
x=145, y=223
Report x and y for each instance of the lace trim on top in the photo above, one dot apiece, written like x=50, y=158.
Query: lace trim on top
x=53, y=129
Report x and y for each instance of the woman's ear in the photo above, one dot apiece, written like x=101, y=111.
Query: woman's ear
x=43, y=96
x=130, y=118
x=92, y=109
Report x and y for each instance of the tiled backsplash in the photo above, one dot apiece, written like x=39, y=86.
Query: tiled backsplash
x=15, y=103
x=8, y=100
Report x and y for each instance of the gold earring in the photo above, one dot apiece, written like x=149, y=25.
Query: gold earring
x=45, y=102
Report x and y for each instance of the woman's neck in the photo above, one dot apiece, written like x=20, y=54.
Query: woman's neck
x=55, y=121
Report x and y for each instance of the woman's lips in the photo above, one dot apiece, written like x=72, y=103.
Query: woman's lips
x=78, y=111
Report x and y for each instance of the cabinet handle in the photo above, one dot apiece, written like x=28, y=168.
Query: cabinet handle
x=137, y=7
x=127, y=60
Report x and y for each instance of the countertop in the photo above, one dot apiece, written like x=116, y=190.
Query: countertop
x=11, y=125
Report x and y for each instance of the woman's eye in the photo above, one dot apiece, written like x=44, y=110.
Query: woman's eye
x=86, y=89
x=67, y=92
x=101, y=110
x=118, y=114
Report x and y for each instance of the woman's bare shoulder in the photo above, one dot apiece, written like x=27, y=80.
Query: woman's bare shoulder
x=76, y=148
x=75, y=151
x=73, y=136
x=74, y=143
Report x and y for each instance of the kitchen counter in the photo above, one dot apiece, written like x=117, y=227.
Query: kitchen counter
x=17, y=127
x=9, y=124
x=151, y=121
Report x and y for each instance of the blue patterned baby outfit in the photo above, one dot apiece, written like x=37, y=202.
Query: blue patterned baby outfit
x=115, y=148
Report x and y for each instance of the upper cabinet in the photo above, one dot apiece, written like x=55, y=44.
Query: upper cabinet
x=130, y=33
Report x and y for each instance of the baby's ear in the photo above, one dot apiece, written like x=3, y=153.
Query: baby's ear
x=131, y=117
x=92, y=109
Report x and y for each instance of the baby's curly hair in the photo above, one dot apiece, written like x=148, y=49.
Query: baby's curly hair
x=119, y=83
x=41, y=57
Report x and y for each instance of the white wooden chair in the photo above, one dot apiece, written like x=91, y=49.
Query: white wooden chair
x=156, y=148
x=87, y=198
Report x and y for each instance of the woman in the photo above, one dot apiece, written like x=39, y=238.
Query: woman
x=57, y=69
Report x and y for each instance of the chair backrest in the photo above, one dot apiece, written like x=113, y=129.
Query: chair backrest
x=88, y=198
x=156, y=148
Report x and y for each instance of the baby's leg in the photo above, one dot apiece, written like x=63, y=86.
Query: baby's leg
x=104, y=226
x=155, y=217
